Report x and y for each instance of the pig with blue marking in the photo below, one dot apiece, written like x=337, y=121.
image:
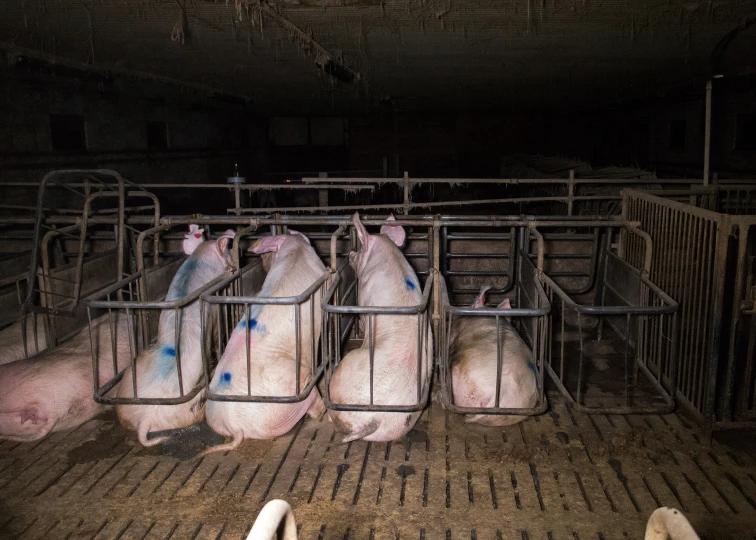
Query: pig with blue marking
x=385, y=279
x=156, y=367
x=293, y=266
x=473, y=358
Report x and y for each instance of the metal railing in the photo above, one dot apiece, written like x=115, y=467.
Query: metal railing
x=702, y=257
x=339, y=312
x=641, y=315
x=230, y=310
x=531, y=314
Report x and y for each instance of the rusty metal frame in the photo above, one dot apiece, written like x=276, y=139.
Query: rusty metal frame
x=536, y=314
x=213, y=297
x=334, y=308
x=667, y=306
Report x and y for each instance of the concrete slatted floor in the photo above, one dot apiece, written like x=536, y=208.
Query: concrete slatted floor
x=561, y=475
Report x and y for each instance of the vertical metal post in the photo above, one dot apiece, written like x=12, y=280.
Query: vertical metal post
x=570, y=192
x=237, y=198
x=707, y=134
x=323, y=193
x=715, y=321
x=737, y=298
x=406, y=193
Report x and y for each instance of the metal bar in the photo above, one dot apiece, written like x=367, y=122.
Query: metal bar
x=707, y=134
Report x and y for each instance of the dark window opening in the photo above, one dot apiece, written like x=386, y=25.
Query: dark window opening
x=67, y=133
x=677, y=129
x=745, y=134
x=157, y=136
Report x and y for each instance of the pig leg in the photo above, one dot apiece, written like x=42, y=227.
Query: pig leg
x=317, y=410
x=30, y=419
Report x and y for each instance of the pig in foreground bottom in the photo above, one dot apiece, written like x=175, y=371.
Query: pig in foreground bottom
x=473, y=357
x=53, y=391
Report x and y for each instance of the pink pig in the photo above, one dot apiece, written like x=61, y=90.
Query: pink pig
x=385, y=279
x=53, y=391
x=156, y=368
x=472, y=354
x=293, y=268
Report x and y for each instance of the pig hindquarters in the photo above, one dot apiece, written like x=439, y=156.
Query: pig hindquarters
x=156, y=370
x=294, y=267
x=385, y=279
x=53, y=391
x=472, y=354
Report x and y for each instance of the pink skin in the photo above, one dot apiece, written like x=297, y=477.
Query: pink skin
x=472, y=354
x=385, y=279
x=294, y=267
x=53, y=391
x=156, y=367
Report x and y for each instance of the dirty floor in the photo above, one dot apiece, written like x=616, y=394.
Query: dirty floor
x=561, y=475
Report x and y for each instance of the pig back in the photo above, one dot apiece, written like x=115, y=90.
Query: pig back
x=473, y=359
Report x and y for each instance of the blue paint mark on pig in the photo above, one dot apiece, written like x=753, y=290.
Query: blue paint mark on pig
x=225, y=378
x=410, y=286
x=166, y=362
x=178, y=288
x=532, y=368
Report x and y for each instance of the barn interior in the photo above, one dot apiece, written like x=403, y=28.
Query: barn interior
x=594, y=162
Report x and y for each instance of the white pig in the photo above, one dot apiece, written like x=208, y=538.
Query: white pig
x=472, y=355
x=385, y=279
x=53, y=391
x=12, y=339
x=294, y=267
x=157, y=375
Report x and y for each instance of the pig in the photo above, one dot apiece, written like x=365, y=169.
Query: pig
x=156, y=369
x=472, y=355
x=53, y=391
x=294, y=267
x=385, y=279
x=12, y=339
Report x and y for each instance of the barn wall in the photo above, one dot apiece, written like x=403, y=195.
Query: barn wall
x=205, y=136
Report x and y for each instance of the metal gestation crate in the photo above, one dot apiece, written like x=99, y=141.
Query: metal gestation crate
x=529, y=315
x=630, y=318
x=133, y=299
x=342, y=314
x=704, y=257
x=229, y=309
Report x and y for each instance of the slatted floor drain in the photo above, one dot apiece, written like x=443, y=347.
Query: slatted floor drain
x=563, y=475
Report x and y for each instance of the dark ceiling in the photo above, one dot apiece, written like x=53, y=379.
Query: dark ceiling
x=347, y=56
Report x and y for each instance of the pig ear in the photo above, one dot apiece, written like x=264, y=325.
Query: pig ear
x=223, y=243
x=300, y=234
x=362, y=233
x=230, y=233
x=266, y=244
x=193, y=239
x=396, y=233
x=480, y=301
x=506, y=304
